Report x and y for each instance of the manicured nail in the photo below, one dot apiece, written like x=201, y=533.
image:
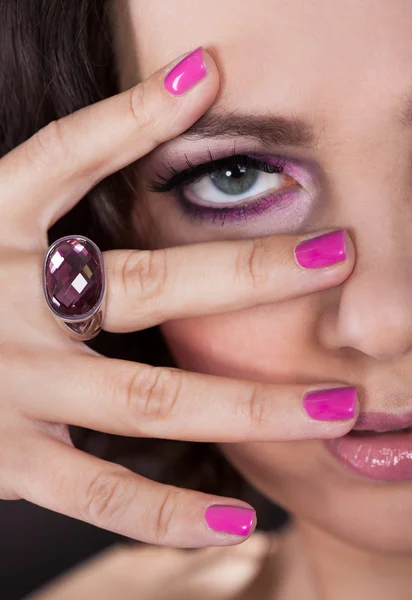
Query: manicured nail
x=322, y=251
x=186, y=73
x=230, y=519
x=337, y=404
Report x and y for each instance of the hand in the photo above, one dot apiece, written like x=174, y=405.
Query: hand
x=133, y=571
x=50, y=381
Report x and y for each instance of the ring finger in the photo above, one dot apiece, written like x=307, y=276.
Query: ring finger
x=125, y=398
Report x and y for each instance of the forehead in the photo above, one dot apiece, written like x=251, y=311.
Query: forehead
x=303, y=55
x=318, y=40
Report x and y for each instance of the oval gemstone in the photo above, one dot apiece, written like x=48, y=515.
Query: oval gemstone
x=74, y=277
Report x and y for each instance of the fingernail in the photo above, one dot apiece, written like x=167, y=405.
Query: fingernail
x=337, y=404
x=230, y=519
x=186, y=73
x=322, y=251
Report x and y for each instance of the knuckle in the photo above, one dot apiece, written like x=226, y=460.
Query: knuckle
x=251, y=264
x=142, y=106
x=144, y=273
x=166, y=514
x=49, y=147
x=153, y=393
x=257, y=406
x=107, y=497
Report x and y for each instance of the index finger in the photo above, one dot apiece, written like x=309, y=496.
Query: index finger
x=50, y=172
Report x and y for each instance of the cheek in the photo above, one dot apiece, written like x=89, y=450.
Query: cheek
x=279, y=470
x=272, y=343
x=266, y=343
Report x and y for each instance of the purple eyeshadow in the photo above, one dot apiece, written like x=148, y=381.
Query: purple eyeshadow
x=290, y=205
x=236, y=213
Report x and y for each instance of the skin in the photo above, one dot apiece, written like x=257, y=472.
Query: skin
x=345, y=68
x=41, y=180
x=351, y=537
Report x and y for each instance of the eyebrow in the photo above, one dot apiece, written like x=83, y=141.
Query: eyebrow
x=269, y=129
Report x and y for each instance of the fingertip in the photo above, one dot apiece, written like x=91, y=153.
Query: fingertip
x=322, y=250
x=239, y=521
x=331, y=404
x=211, y=67
x=189, y=86
x=350, y=251
x=194, y=69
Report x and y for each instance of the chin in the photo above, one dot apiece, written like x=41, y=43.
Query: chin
x=314, y=486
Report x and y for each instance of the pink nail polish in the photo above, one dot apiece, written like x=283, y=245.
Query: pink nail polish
x=186, y=73
x=337, y=404
x=230, y=519
x=322, y=251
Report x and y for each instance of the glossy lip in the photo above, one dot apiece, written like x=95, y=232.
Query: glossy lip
x=382, y=457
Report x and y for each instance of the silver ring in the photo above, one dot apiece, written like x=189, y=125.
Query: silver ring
x=74, y=285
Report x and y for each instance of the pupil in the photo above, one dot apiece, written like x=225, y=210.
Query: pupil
x=236, y=180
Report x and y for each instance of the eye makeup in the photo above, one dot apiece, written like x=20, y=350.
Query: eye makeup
x=237, y=213
x=195, y=171
x=291, y=199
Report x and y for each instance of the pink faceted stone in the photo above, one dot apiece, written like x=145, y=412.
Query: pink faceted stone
x=73, y=277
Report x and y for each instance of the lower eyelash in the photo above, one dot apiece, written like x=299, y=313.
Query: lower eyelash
x=236, y=213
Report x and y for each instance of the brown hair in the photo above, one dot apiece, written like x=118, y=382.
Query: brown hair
x=57, y=57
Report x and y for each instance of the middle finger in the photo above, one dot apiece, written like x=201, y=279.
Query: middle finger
x=146, y=288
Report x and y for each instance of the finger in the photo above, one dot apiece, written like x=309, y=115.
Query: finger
x=63, y=161
x=63, y=479
x=146, y=288
x=126, y=398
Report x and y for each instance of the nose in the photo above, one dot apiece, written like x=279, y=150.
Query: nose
x=373, y=310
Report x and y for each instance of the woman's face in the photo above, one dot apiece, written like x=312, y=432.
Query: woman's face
x=341, y=71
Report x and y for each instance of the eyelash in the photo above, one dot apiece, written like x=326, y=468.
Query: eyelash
x=177, y=181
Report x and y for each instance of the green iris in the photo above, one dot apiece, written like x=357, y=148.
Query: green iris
x=236, y=180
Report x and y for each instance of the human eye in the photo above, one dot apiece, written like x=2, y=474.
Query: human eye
x=232, y=188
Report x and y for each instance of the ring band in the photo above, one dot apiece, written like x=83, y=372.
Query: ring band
x=74, y=285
